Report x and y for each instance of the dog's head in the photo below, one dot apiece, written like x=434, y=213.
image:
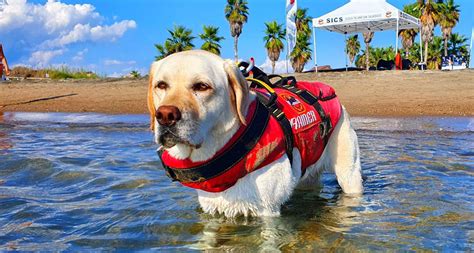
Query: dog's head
x=192, y=95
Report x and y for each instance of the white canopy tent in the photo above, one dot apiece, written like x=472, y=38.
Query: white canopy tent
x=359, y=16
x=2, y=4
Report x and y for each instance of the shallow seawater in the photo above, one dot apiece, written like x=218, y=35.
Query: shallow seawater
x=93, y=182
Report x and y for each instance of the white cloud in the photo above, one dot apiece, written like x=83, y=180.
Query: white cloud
x=82, y=33
x=42, y=58
x=280, y=67
x=80, y=55
x=117, y=62
x=42, y=30
x=126, y=72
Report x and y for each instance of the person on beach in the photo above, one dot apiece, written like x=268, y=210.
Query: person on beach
x=3, y=63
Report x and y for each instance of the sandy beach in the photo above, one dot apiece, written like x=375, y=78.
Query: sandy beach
x=388, y=93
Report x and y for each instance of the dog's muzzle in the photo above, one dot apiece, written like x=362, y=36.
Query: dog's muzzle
x=168, y=137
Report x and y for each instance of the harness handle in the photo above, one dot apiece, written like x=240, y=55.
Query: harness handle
x=273, y=95
x=247, y=69
x=287, y=80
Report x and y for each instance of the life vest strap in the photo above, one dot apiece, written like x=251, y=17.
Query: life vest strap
x=284, y=123
x=309, y=98
x=227, y=159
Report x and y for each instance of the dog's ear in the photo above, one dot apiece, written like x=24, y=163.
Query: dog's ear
x=239, y=90
x=150, y=103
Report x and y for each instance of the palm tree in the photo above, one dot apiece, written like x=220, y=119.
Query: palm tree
x=458, y=44
x=302, y=21
x=180, y=40
x=408, y=35
x=352, y=47
x=384, y=53
x=435, y=52
x=301, y=53
x=236, y=12
x=367, y=39
x=375, y=55
x=429, y=19
x=408, y=39
x=163, y=50
x=274, y=35
x=211, y=39
x=447, y=20
x=135, y=74
x=414, y=54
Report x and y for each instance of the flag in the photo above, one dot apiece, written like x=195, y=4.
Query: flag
x=290, y=24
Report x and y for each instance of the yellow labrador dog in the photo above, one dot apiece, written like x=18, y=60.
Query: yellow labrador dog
x=198, y=102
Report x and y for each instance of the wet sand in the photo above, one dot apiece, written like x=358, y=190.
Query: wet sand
x=388, y=93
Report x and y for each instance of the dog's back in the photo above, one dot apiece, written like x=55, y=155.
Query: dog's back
x=307, y=120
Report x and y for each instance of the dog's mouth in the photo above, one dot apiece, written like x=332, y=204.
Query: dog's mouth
x=168, y=138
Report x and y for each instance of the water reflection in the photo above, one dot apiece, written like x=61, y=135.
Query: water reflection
x=5, y=143
x=307, y=221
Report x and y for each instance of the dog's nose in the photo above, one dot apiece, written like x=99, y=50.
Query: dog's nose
x=168, y=115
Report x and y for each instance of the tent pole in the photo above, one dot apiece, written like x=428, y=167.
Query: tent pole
x=314, y=51
x=345, y=48
x=421, y=51
x=396, y=41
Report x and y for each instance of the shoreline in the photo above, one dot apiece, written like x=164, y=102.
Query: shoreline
x=372, y=94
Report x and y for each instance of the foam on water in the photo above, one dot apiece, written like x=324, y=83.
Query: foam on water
x=93, y=182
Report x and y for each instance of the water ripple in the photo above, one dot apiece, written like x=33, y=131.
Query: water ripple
x=90, y=182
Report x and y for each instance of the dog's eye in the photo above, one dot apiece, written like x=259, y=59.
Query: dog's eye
x=161, y=85
x=200, y=87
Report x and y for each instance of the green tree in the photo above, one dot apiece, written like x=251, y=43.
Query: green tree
x=301, y=54
x=236, y=12
x=435, y=53
x=457, y=44
x=274, y=36
x=448, y=18
x=302, y=21
x=367, y=39
x=180, y=40
x=375, y=55
x=408, y=35
x=352, y=47
x=211, y=39
x=135, y=74
x=429, y=19
x=414, y=54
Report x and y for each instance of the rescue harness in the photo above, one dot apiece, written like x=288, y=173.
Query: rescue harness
x=286, y=114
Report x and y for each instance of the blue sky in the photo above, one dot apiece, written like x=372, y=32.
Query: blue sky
x=122, y=33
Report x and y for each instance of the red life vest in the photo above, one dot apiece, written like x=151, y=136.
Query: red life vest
x=305, y=123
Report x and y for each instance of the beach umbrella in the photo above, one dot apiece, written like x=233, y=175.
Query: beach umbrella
x=359, y=16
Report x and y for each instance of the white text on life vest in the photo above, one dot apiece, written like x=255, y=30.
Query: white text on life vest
x=303, y=120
